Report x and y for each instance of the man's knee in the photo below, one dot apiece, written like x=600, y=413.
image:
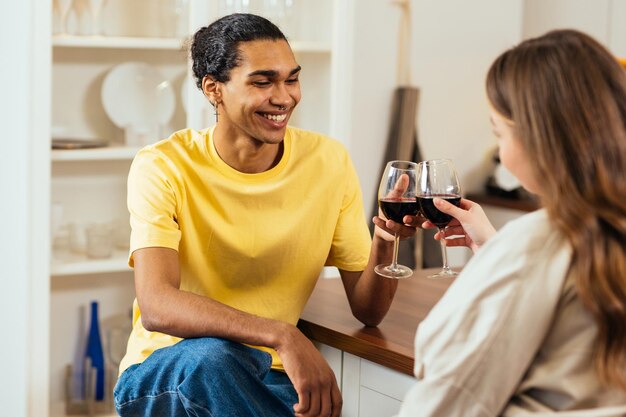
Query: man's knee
x=215, y=356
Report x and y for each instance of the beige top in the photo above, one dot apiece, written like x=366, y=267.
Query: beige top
x=510, y=337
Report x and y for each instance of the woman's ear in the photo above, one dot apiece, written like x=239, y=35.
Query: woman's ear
x=211, y=89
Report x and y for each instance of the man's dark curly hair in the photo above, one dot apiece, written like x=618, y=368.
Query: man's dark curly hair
x=214, y=48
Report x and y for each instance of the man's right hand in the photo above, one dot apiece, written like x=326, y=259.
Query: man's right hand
x=311, y=376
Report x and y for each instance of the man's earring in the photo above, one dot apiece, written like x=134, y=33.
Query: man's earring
x=215, y=112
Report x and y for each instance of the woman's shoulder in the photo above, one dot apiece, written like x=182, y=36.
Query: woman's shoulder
x=526, y=250
x=531, y=232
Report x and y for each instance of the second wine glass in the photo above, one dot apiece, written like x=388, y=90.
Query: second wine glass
x=437, y=178
x=396, y=199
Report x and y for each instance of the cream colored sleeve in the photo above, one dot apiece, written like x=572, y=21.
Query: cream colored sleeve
x=475, y=346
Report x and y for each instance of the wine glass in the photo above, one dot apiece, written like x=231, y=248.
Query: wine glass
x=95, y=8
x=437, y=178
x=64, y=9
x=396, y=199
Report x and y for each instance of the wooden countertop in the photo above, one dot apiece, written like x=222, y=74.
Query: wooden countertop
x=327, y=319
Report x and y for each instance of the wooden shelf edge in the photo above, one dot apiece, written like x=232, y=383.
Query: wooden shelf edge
x=527, y=205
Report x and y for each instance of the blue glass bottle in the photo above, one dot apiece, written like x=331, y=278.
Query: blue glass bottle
x=94, y=351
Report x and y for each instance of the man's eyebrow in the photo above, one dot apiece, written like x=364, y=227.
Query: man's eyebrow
x=273, y=73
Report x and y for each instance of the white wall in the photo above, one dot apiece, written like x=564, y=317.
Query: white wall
x=453, y=44
x=590, y=17
x=370, y=84
x=602, y=19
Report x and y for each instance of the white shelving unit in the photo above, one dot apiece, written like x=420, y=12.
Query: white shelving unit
x=96, y=154
x=75, y=264
x=125, y=42
x=90, y=184
x=117, y=42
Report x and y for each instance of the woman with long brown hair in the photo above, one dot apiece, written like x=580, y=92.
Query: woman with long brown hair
x=536, y=322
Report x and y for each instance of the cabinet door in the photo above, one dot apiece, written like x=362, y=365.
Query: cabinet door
x=370, y=389
x=374, y=404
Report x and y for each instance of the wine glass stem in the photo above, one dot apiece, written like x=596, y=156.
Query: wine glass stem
x=396, y=245
x=444, y=251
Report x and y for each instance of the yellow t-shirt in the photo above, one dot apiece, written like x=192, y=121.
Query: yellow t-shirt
x=256, y=242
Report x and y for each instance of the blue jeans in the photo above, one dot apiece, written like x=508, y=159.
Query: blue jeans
x=205, y=377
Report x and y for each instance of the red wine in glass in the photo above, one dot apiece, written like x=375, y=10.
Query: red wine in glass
x=429, y=210
x=437, y=178
x=396, y=208
x=396, y=199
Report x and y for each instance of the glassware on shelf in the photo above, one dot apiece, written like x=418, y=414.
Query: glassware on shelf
x=283, y=14
x=236, y=6
x=121, y=234
x=56, y=18
x=77, y=237
x=80, y=18
x=64, y=7
x=56, y=220
x=99, y=241
x=174, y=16
x=94, y=351
x=95, y=11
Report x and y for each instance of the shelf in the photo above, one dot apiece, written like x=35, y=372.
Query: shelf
x=95, y=154
x=119, y=42
x=508, y=203
x=116, y=42
x=58, y=410
x=74, y=264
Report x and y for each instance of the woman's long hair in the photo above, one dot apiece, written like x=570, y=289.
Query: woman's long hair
x=566, y=97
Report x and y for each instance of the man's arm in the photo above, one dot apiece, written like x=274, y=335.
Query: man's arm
x=369, y=294
x=167, y=309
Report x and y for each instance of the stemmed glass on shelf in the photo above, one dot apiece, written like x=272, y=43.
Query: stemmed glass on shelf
x=396, y=199
x=437, y=178
x=95, y=9
x=64, y=10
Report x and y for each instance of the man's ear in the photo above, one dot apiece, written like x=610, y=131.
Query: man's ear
x=212, y=90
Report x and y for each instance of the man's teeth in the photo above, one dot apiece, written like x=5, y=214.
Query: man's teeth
x=275, y=117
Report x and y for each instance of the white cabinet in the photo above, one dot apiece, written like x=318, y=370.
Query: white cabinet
x=90, y=184
x=371, y=390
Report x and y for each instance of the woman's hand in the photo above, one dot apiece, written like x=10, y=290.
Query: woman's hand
x=469, y=224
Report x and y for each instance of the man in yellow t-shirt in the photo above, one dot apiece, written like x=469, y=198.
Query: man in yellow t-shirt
x=231, y=227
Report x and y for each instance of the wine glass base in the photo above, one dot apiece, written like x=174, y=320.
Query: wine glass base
x=397, y=272
x=444, y=273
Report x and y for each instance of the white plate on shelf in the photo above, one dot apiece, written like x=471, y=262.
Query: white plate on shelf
x=135, y=95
